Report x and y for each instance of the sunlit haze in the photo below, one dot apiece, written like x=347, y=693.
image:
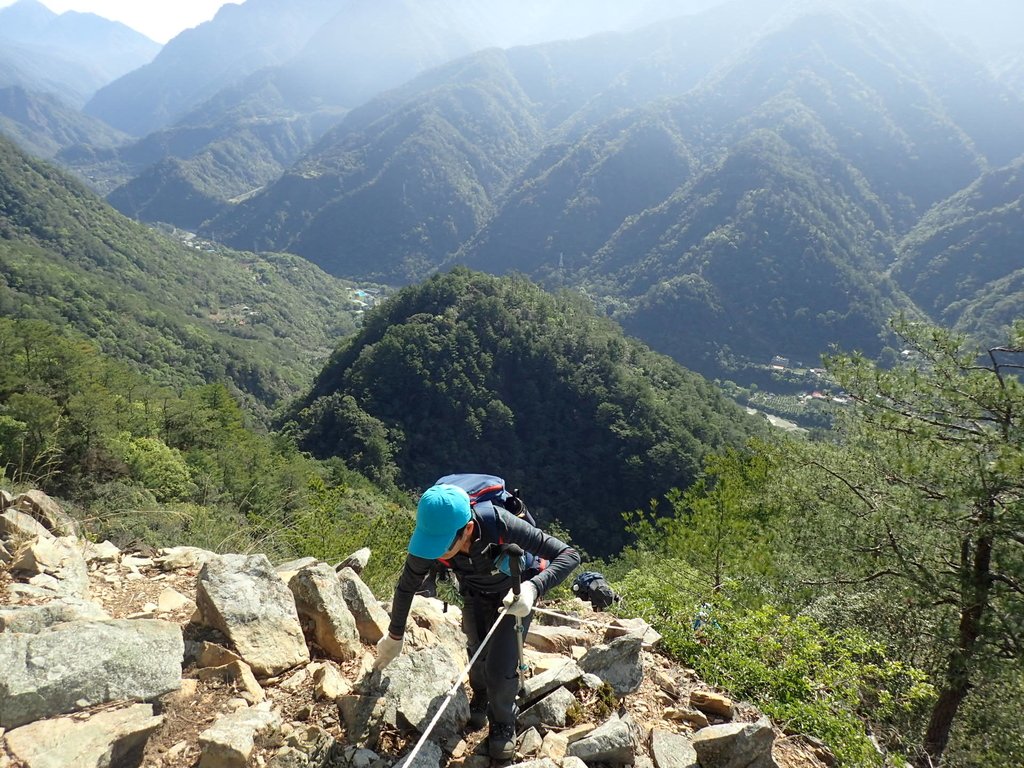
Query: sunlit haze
x=159, y=20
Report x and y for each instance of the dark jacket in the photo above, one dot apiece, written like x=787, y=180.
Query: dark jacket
x=476, y=571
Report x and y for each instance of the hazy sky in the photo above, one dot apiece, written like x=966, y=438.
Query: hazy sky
x=158, y=19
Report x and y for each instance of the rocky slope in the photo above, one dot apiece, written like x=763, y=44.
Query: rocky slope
x=182, y=657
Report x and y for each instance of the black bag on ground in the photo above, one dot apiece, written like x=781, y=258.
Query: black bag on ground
x=592, y=587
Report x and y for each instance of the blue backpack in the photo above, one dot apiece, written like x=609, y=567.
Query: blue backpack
x=486, y=491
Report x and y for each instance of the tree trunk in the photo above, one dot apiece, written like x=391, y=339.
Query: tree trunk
x=976, y=580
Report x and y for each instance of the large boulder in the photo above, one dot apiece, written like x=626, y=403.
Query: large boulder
x=371, y=620
x=319, y=599
x=242, y=597
x=79, y=664
x=736, y=745
x=671, y=750
x=46, y=511
x=407, y=695
x=613, y=742
x=60, y=558
x=32, y=619
x=618, y=663
x=109, y=739
x=230, y=741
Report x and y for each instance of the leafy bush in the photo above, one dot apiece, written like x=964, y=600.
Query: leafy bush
x=826, y=685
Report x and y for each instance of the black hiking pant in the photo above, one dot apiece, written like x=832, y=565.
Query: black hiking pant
x=495, y=675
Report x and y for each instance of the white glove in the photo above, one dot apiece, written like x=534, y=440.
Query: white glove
x=387, y=651
x=522, y=605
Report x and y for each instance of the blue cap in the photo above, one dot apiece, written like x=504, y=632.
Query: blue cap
x=442, y=511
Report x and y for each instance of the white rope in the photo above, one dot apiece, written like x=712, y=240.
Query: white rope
x=407, y=761
x=578, y=620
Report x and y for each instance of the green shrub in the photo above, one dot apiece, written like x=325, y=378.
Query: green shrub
x=826, y=685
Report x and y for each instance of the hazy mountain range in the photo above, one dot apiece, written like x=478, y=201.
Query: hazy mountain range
x=70, y=55
x=730, y=183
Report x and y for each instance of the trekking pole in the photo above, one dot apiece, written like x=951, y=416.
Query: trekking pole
x=515, y=565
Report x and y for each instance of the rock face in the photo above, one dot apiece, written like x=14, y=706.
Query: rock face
x=618, y=664
x=78, y=664
x=242, y=597
x=110, y=739
x=371, y=620
x=318, y=598
x=736, y=745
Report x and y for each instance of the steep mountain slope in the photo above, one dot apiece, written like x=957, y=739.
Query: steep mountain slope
x=412, y=175
x=42, y=124
x=181, y=314
x=344, y=50
x=468, y=370
x=964, y=262
x=192, y=67
x=757, y=211
x=71, y=54
x=362, y=50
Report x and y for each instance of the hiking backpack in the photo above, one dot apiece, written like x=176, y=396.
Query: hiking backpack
x=486, y=492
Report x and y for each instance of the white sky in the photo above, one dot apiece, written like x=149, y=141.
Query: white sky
x=157, y=19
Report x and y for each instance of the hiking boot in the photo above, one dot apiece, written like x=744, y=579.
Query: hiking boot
x=478, y=711
x=501, y=741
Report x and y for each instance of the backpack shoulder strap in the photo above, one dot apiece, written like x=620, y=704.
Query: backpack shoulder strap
x=487, y=514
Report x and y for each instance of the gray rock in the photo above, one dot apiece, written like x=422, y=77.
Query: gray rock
x=371, y=620
x=104, y=552
x=110, y=739
x=530, y=742
x=229, y=742
x=415, y=687
x=357, y=561
x=294, y=566
x=541, y=685
x=33, y=619
x=5, y=555
x=48, y=512
x=446, y=626
x=618, y=663
x=550, y=711
x=736, y=745
x=82, y=663
x=243, y=598
x=540, y=762
x=636, y=626
x=60, y=558
x=18, y=526
x=183, y=558
x=308, y=747
x=670, y=750
x=429, y=756
x=611, y=743
x=318, y=598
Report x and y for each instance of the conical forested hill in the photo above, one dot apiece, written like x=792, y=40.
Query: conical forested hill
x=469, y=372
x=182, y=315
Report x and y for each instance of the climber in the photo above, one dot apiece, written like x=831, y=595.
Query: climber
x=467, y=540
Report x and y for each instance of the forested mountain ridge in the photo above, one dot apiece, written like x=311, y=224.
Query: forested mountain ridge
x=42, y=124
x=964, y=262
x=759, y=210
x=179, y=314
x=468, y=370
